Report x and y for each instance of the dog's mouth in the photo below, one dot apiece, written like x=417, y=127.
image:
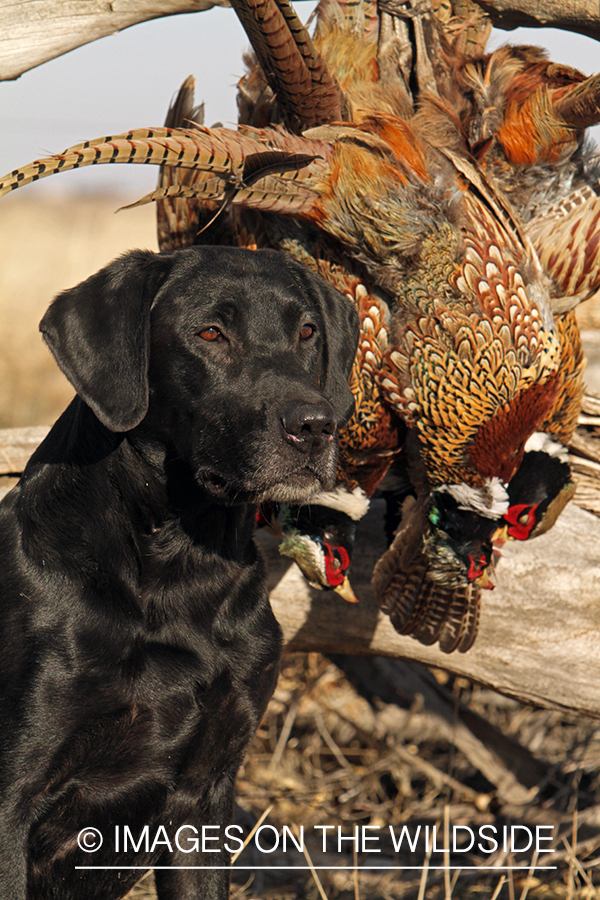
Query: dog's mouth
x=297, y=485
x=214, y=485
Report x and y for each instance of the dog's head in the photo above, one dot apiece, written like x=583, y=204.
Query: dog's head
x=236, y=361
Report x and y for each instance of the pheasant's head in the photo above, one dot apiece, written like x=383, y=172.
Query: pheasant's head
x=468, y=526
x=539, y=491
x=320, y=539
x=460, y=530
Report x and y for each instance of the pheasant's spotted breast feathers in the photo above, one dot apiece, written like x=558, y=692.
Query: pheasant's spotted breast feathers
x=372, y=437
x=464, y=370
x=457, y=397
x=475, y=354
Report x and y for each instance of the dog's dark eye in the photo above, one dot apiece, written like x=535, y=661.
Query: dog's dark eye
x=306, y=332
x=211, y=334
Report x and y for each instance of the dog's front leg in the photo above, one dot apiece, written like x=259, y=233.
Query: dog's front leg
x=198, y=867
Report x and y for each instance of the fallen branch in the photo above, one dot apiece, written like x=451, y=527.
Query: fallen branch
x=35, y=31
x=539, y=639
x=571, y=15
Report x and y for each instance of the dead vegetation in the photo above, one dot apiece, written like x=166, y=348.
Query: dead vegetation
x=48, y=245
x=382, y=743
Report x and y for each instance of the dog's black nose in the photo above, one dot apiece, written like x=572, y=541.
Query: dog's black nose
x=309, y=426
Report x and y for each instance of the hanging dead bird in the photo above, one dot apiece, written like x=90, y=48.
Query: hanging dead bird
x=387, y=172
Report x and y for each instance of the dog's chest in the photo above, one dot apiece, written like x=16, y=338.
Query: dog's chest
x=209, y=646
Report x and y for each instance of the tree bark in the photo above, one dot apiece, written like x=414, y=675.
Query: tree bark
x=35, y=31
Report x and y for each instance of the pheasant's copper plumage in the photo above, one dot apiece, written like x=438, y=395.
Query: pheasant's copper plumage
x=448, y=194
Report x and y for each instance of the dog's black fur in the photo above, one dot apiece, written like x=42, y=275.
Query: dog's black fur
x=137, y=646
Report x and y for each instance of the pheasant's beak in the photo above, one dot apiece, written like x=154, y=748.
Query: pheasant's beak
x=500, y=536
x=486, y=580
x=345, y=590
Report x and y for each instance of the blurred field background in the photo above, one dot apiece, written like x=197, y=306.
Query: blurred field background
x=47, y=244
x=50, y=242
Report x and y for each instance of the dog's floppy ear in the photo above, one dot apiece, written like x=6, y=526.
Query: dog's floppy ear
x=99, y=334
x=342, y=333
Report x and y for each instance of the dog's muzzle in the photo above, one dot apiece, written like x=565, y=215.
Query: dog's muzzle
x=309, y=426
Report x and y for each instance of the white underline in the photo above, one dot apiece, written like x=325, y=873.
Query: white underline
x=334, y=868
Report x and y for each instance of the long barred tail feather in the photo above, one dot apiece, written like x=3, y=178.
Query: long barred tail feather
x=266, y=168
x=307, y=92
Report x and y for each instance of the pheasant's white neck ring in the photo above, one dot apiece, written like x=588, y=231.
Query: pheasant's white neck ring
x=490, y=500
x=354, y=503
x=544, y=443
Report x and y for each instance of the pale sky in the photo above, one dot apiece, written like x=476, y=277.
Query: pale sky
x=127, y=80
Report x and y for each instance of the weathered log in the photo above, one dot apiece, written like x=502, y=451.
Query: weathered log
x=17, y=445
x=581, y=16
x=539, y=638
x=35, y=31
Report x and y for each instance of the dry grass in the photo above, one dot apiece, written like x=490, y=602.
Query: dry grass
x=333, y=771
x=314, y=766
x=46, y=246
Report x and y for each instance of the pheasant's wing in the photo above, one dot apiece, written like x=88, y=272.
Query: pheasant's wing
x=416, y=604
x=566, y=236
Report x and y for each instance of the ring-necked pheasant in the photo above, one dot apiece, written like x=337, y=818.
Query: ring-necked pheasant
x=383, y=157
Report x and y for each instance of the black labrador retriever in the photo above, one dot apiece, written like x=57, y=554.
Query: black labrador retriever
x=137, y=647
